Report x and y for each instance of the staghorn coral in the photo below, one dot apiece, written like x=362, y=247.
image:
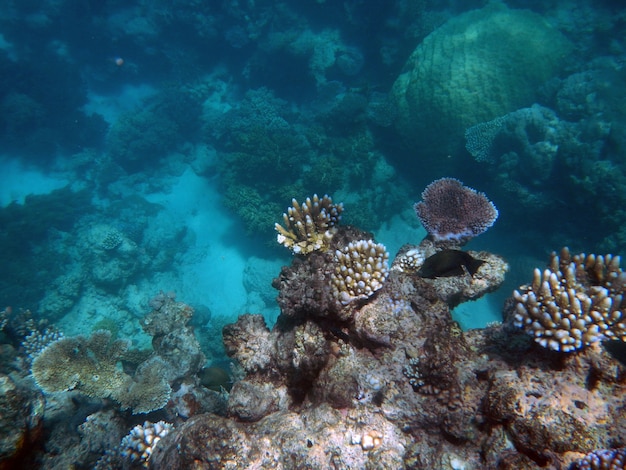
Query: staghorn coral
x=577, y=301
x=361, y=268
x=310, y=226
x=90, y=365
x=452, y=213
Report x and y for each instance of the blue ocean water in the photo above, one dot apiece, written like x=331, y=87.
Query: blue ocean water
x=149, y=147
x=186, y=129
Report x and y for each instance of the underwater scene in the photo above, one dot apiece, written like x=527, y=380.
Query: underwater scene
x=312, y=234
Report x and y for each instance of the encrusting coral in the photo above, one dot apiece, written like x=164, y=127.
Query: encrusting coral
x=310, y=226
x=577, y=301
x=452, y=213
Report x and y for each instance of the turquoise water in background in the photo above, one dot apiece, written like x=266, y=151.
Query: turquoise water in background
x=151, y=147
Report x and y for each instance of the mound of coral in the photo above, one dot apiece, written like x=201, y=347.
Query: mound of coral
x=391, y=381
x=475, y=67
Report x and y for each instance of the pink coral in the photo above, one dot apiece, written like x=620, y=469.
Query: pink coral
x=452, y=212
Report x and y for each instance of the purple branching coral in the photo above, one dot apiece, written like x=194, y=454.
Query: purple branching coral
x=612, y=459
x=453, y=213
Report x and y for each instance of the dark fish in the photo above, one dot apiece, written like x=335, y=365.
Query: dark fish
x=215, y=378
x=448, y=263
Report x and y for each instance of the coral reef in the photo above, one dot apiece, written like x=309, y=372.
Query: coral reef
x=173, y=339
x=341, y=365
x=112, y=255
x=21, y=420
x=139, y=138
x=540, y=156
x=452, y=213
x=575, y=302
x=90, y=365
x=310, y=226
x=523, y=149
x=396, y=383
x=477, y=66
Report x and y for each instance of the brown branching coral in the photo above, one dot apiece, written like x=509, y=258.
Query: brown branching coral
x=453, y=213
x=577, y=301
x=310, y=226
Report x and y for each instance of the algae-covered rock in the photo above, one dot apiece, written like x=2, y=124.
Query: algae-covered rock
x=477, y=66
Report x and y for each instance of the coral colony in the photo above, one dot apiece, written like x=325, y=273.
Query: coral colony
x=365, y=366
x=453, y=213
x=162, y=165
x=576, y=302
x=310, y=226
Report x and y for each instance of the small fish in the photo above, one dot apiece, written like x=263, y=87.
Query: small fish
x=448, y=263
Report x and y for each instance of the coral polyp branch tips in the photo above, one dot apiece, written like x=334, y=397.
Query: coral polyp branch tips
x=309, y=226
x=577, y=301
x=453, y=213
x=361, y=268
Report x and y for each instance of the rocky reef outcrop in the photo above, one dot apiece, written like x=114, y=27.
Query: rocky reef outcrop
x=391, y=381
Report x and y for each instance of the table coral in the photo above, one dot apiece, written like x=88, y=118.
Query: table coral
x=453, y=213
x=90, y=365
x=575, y=302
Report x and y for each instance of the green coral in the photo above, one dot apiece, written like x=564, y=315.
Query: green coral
x=148, y=133
x=258, y=213
x=109, y=325
x=477, y=66
x=139, y=137
x=92, y=366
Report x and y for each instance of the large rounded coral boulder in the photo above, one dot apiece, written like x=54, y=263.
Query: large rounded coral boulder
x=475, y=67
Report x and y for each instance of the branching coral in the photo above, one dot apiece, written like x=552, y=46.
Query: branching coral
x=602, y=459
x=360, y=270
x=453, y=213
x=139, y=444
x=310, y=226
x=577, y=301
x=90, y=365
